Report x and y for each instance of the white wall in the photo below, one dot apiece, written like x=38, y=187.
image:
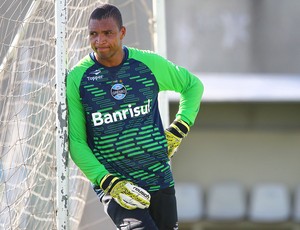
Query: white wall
x=250, y=143
x=234, y=35
x=246, y=156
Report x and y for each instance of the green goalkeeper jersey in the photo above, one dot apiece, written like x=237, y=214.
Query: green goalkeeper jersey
x=114, y=121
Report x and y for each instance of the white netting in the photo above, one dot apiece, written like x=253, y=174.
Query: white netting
x=27, y=105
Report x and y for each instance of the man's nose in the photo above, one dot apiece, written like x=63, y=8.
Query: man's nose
x=100, y=39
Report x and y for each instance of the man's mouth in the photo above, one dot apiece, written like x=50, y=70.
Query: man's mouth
x=101, y=49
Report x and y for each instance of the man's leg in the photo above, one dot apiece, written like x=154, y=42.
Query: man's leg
x=137, y=219
x=163, y=209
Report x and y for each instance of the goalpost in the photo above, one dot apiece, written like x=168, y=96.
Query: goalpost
x=62, y=170
x=40, y=188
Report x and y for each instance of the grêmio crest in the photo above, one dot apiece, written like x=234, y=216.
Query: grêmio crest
x=118, y=91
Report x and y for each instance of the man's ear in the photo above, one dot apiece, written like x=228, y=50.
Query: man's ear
x=123, y=32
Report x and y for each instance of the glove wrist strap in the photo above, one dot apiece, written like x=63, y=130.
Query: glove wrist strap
x=179, y=128
x=108, y=182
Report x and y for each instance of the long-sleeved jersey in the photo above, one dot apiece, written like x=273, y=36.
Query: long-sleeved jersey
x=114, y=121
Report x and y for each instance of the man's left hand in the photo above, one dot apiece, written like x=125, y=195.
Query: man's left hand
x=174, y=135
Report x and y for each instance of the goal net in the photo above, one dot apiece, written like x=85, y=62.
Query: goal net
x=28, y=104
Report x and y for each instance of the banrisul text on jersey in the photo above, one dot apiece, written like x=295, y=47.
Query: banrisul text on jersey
x=130, y=112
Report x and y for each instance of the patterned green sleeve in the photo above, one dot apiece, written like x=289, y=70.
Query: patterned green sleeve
x=175, y=78
x=80, y=152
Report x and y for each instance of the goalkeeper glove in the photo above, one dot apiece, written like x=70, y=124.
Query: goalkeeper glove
x=174, y=135
x=125, y=193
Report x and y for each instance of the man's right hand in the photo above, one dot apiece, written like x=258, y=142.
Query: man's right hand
x=125, y=193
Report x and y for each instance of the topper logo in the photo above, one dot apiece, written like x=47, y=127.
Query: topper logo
x=94, y=75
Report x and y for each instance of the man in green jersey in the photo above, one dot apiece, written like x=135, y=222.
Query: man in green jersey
x=115, y=129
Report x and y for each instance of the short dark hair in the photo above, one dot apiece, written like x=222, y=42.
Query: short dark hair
x=108, y=11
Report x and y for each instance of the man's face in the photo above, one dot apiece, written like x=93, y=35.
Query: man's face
x=106, y=39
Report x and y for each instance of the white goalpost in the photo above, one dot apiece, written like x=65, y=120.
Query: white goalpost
x=160, y=46
x=40, y=187
x=62, y=172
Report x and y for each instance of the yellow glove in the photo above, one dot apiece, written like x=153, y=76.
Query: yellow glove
x=125, y=193
x=174, y=135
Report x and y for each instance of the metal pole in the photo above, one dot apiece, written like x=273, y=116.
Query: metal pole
x=161, y=48
x=61, y=116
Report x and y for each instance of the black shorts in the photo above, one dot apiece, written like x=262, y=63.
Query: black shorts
x=161, y=215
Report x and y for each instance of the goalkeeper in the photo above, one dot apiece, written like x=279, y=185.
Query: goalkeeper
x=115, y=129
